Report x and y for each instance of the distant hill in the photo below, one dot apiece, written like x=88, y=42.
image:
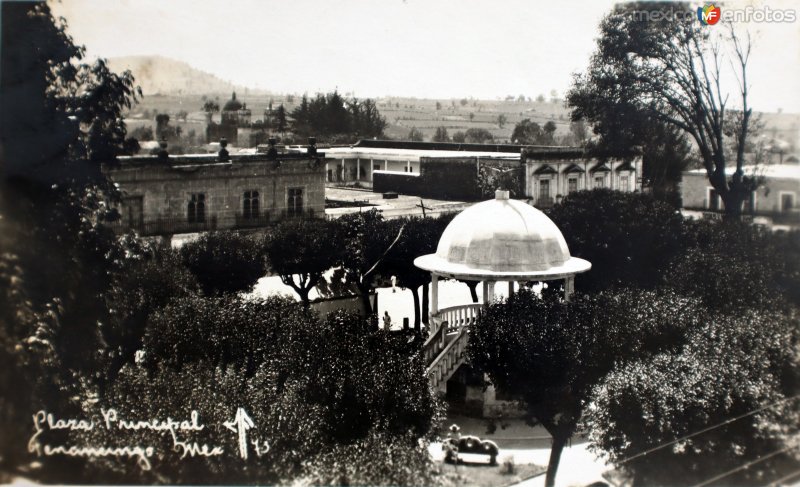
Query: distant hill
x=160, y=75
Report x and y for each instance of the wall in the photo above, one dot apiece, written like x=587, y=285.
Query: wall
x=156, y=194
x=694, y=190
x=440, y=178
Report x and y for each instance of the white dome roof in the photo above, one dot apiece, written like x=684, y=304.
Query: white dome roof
x=502, y=239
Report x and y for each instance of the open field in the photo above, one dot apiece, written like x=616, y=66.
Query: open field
x=404, y=113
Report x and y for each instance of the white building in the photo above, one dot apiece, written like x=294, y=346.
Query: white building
x=551, y=175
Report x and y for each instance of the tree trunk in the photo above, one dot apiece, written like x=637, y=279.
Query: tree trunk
x=363, y=292
x=425, y=304
x=303, y=292
x=415, y=293
x=559, y=441
x=733, y=199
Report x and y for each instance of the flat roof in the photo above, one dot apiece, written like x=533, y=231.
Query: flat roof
x=778, y=171
x=373, y=152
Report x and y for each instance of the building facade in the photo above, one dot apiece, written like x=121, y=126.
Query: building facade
x=552, y=174
x=164, y=194
x=776, y=196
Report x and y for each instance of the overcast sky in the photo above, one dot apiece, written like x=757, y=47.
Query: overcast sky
x=422, y=48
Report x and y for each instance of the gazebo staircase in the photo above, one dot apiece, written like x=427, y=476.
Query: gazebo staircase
x=445, y=348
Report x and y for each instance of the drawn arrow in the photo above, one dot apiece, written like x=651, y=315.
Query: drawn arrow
x=240, y=424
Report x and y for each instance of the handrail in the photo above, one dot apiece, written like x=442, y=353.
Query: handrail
x=459, y=316
x=435, y=342
x=446, y=363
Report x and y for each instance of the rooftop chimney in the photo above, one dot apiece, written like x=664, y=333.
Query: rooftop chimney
x=272, y=152
x=224, y=155
x=163, y=155
x=312, y=146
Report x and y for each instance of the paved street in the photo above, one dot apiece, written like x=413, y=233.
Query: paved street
x=527, y=445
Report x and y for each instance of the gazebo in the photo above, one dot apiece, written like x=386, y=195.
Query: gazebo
x=499, y=240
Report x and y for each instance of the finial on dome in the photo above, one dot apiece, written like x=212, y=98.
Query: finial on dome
x=502, y=194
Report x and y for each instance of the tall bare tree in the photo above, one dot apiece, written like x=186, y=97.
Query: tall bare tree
x=673, y=70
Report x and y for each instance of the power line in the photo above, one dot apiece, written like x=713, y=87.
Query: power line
x=746, y=465
x=783, y=479
x=705, y=430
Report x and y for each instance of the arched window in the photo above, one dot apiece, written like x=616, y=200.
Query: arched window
x=196, y=211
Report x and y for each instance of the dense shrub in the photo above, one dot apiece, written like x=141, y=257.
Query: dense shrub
x=314, y=390
x=729, y=366
x=150, y=280
x=225, y=261
x=378, y=459
x=734, y=266
x=630, y=238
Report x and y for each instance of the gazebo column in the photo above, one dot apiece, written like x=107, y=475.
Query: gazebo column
x=490, y=289
x=434, y=294
x=510, y=288
x=569, y=288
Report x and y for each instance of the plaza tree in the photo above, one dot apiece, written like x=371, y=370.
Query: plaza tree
x=671, y=72
x=551, y=354
x=225, y=262
x=420, y=236
x=300, y=251
x=687, y=416
x=366, y=243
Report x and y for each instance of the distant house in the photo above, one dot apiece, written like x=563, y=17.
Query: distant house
x=553, y=174
x=356, y=164
x=424, y=168
x=165, y=194
x=776, y=197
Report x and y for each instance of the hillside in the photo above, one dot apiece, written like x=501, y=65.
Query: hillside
x=160, y=75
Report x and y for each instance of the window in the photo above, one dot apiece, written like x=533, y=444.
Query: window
x=787, y=201
x=713, y=199
x=197, y=208
x=624, y=183
x=250, y=205
x=544, y=188
x=376, y=167
x=572, y=185
x=599, y=181
x=294, y=205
